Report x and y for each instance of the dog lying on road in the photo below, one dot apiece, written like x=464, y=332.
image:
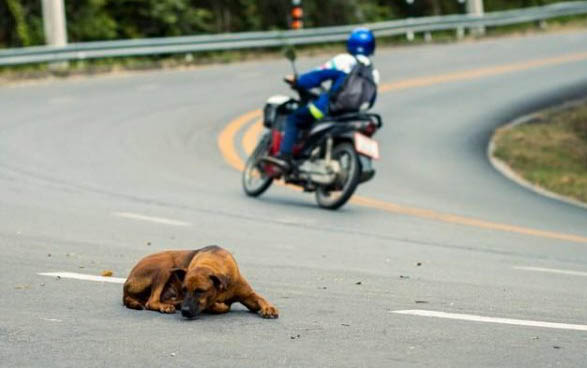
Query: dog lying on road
x=203, y=280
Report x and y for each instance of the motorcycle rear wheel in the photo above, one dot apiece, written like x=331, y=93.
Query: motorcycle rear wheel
x=255, y=181
x=335, y=196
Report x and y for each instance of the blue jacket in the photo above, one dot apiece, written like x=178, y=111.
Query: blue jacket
x=334, y=71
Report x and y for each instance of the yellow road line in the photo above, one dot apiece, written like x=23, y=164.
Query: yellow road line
x=481, y=72
x=226, y=139
x=251, y=135
x=227, y=136
x=454, y=219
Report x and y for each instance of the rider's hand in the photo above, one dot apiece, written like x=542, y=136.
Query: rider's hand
x=290, y=79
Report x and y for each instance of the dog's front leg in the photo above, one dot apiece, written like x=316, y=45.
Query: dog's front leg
x=219, y=308
x=154, y=303
x=256, y=303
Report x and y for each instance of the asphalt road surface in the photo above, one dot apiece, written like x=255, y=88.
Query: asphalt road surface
x=95, y=173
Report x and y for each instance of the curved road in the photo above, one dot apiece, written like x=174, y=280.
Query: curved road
x=96, y=173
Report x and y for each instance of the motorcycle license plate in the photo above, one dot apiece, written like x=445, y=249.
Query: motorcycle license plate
x=366, y=146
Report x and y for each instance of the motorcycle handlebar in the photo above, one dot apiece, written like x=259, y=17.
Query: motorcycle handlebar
x=304, y=94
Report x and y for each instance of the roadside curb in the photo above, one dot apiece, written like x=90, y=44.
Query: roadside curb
x=507, y=171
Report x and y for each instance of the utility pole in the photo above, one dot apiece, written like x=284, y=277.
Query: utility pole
x=54, y=22
x=475, y=8
x=55, y=27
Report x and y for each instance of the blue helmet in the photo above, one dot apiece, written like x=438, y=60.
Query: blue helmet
x=361, y=42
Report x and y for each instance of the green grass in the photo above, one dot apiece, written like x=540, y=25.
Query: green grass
x=550, y=152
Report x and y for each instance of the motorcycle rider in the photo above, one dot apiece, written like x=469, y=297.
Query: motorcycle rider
x=360, y=45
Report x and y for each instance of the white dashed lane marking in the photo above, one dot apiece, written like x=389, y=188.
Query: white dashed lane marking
x=81, y=276
x=413, y=312
x=505, y=321
x=159, y=220
x=552, y=270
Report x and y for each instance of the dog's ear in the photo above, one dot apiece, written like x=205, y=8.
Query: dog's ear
x=220, y=282
x=179, y=273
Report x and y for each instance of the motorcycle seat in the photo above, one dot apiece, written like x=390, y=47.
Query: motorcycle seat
x=354, y=116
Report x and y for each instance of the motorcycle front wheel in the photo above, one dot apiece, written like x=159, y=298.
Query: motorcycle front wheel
x=335, y=195
x=255, y=181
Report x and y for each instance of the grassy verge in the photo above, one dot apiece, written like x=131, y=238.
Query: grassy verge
x=549, y=151
x=178, y=61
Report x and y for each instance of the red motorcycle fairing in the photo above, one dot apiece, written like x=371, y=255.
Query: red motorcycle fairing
x=277, y=138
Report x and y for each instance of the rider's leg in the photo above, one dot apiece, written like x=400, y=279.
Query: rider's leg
x=299, y=119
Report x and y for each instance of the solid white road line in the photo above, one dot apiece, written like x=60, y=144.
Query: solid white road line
x=81, y=276
x=506, y=321
x=551, y=270
x=159, y=220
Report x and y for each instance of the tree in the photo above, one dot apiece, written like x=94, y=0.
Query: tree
x=89, y=20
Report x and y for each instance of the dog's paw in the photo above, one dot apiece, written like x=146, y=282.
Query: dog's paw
x=167, y=308
x=269, y=311
x=161, y=307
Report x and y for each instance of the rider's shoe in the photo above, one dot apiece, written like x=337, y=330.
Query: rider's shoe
x=283, y=160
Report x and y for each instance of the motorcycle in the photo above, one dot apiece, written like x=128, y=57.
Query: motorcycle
x=331, y=158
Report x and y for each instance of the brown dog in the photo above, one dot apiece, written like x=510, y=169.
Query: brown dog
x=203, y=280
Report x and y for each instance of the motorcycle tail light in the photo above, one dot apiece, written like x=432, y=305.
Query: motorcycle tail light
x=370, y=129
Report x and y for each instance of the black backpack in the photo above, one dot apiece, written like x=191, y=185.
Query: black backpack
x=357, y=93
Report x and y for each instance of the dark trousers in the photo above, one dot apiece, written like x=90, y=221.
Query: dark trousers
x=299, y=119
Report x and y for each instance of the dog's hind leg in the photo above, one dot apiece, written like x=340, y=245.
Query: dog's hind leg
x=132, y=303
x=133, y=291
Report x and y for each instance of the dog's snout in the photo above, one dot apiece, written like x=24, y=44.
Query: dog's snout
x=188, y=307
x=187, y=312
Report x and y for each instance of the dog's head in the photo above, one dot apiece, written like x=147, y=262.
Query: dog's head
x=201, y=287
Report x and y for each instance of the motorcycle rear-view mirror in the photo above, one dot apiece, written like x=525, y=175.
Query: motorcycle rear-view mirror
x=290, y=53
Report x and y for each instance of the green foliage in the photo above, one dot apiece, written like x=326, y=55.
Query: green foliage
x=21, y=25
x=157, y=18
x=374, y=12
x=493, y=5
x=89, y=20
x=22, y=29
